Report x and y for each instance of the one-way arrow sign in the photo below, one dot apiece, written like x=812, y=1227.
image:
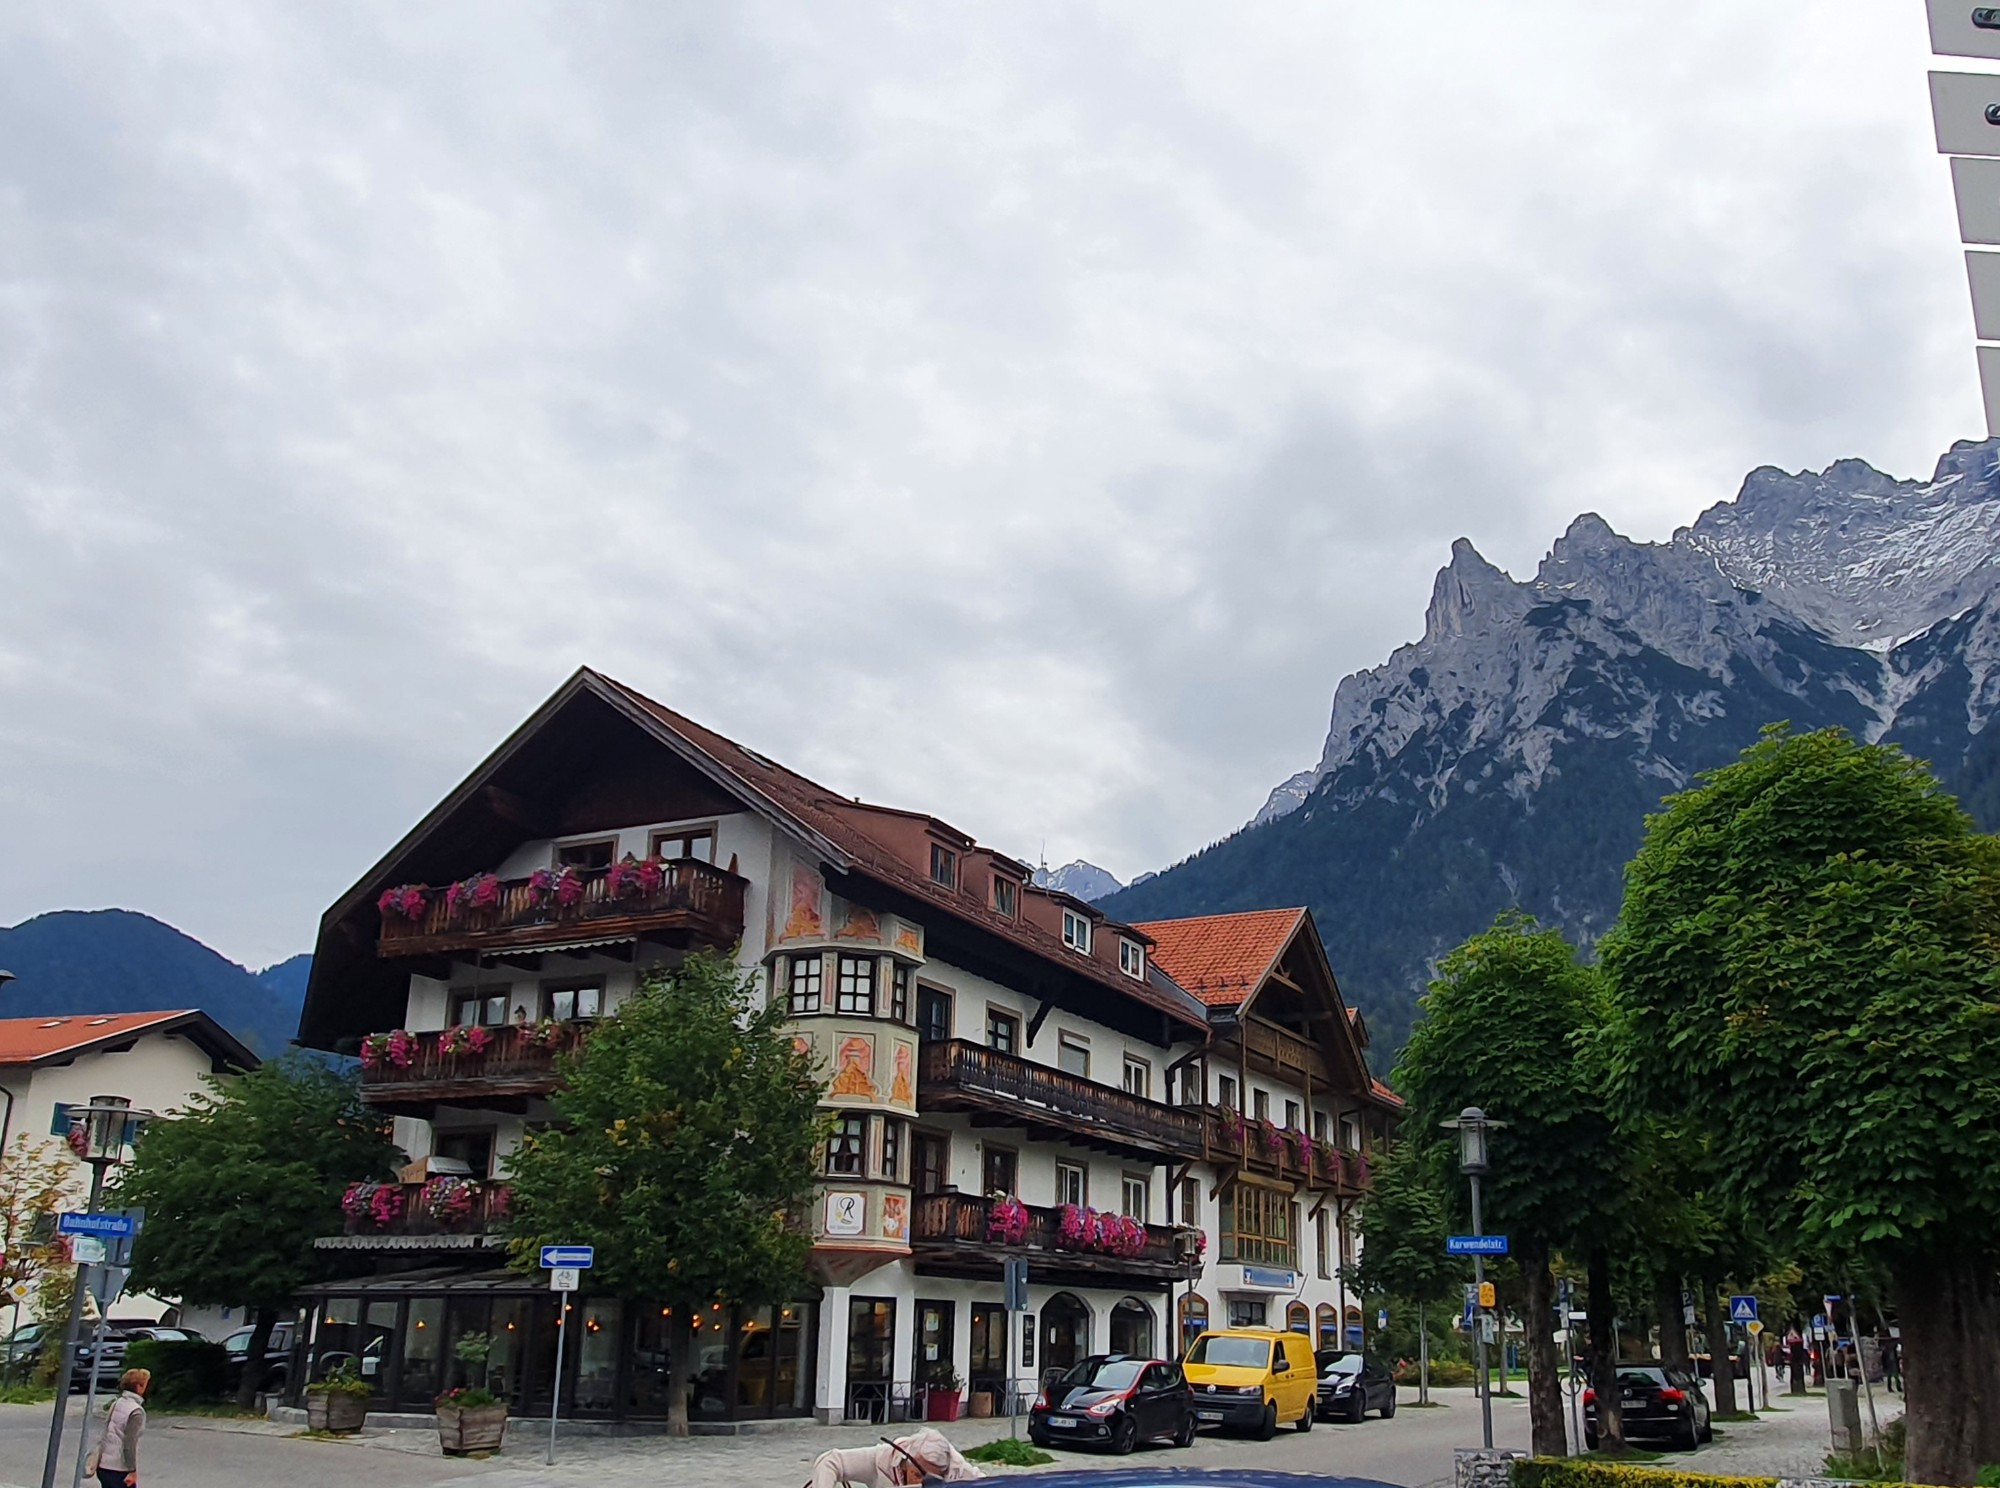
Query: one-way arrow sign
x=567, y=1257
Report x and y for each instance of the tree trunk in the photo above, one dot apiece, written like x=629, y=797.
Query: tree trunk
x=1673, y=1322
x=1545, y=1402
x=255, y=1366
x=1604, y=1354
x=1949, y=1308
x=1721, y=1368
x=680, y=1369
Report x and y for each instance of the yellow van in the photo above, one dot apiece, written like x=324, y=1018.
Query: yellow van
x=1254, y=1377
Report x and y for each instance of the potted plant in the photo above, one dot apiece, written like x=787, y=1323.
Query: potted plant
x=471, y=1418
x=941, y=1388
x=338, y=1403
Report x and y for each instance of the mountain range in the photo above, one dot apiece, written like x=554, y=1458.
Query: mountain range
x=1509, y=757
x=118, y=961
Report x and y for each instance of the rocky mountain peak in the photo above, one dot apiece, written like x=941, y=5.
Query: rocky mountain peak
x=1469, y=596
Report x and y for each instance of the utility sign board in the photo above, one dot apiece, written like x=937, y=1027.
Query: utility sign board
x=564, y=1278
x=1015, y=1284
x=568, y=1257
x=1742, y=1309
x=1479, y=1245
x=1961, y=29
x=103, y=1226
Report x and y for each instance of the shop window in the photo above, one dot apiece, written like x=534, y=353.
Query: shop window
x=1194, y=1318
x=1247, y=1312
x=1327, y=1321
x=1298, y=1318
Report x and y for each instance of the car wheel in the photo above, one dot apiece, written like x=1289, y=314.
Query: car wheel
x=1305, y=1420
x=1590, y=1441
x=1039, y=1438
x=1689, y=1436
x=1185, y=1436
x=1125, y=1435
x=1389, y=1407
x=1357, y=1406
x=1268, y=1426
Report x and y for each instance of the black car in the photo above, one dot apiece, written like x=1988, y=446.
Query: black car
x=277, y=1357
x=1658, y=1404
x=1115, y=1401
x=1351, y=1385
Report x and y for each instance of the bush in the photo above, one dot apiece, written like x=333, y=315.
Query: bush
x=1010, y=1451
x=1565, y=1472
x=185, y=1371
x=1445, y=1372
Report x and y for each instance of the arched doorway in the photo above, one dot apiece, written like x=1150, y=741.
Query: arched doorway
x=1132, y=1328
x=1194, y=1318
x=1328, y=1318
x=1298, y=1319
x=1065, y=1333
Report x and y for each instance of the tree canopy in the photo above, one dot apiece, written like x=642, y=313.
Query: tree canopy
x=689, y=1141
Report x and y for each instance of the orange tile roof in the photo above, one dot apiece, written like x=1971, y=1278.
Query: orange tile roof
x=30, y=1040
x=1223, y=958
x=1384, y=1093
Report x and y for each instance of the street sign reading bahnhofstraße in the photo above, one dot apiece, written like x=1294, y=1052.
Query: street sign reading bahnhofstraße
x=103, y=1226
x=1480, y=1245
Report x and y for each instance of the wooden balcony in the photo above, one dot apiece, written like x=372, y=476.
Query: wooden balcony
x=417, y=1228
x=512, y=1067
x=951, y=1235
x=1007, y=1090
x=1342, y=1173
x=696, y=903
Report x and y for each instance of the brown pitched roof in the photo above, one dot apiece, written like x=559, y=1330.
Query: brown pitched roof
x=837, y=821
x=27, y=1041
x=1223, y=958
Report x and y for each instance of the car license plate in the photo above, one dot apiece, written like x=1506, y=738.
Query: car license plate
x=1069, y=1422
x=1208, y=1415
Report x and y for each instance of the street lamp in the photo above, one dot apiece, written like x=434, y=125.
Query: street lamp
x=1472, y=1125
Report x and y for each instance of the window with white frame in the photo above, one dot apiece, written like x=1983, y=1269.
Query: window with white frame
x=1072, y=1184
x=1226, y=1091
x=847, y=1148
x=802, y=983
x=1131, y=958
x=1350, y=1134
x=1005, y=896
x=1188, y=1210
x=1138, y=1078
x=1292, y=1115
x=1076, y=931
x=1260, y=1104
x=856, y=992
x=944, y=866
x=1323, y=1228
x=1073, y=1054
x=1137, y=1197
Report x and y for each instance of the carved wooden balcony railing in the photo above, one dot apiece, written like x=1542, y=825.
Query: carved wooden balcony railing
x=516, y=1062
x=695, y=901
x=1231, y=1138
x=957, y=1075
x=948, y=1227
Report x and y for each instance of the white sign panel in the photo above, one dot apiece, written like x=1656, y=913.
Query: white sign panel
x=1975, y=185
x=1983, y=269
x=1989, y=386
x=846, y=1213
x=564, y=1278
x=1961, y=29
x=1966, y=109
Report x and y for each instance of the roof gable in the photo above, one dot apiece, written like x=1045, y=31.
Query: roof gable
x=1223, y=959
x=37, y=1041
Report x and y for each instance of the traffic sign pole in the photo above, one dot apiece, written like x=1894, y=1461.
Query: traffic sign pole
x=555, y=1395
x=1479, y=1335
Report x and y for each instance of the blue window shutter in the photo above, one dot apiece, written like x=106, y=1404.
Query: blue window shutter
x=60, y=1126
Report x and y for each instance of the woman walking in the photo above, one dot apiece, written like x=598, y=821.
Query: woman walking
x=117, y=1455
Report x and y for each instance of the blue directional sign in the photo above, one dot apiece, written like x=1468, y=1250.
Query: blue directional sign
x=1479, y=1245
x=103, y=1226
x=1742, y=1309
x=565, y=1257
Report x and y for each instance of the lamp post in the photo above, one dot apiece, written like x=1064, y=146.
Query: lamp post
x=1472, y=1126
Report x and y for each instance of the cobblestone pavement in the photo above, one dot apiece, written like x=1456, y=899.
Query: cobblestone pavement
x=1413, y=1450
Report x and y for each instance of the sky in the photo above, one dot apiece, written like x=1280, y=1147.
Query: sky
x=1023, y=412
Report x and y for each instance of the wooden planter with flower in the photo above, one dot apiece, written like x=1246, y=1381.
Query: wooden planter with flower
x=338, y=1404
x=470, y=1420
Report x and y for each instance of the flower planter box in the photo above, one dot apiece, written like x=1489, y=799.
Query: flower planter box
x=942, y=1405
x=336, y=1411
x=463, y=1430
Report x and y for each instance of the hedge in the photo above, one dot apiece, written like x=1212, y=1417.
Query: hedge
x=1444, y=1372
x=1565, y=1472
x=185, y=1371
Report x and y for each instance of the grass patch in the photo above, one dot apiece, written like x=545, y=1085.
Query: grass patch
x=27, y=1395
x=313, y=1435
x=1862, y=1466
x=1009, y=1451
x=1732, y=1415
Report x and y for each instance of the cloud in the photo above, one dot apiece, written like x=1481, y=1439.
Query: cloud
x=1024, y=412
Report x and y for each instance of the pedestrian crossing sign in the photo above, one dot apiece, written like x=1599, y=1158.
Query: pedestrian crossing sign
x=1742, y=1309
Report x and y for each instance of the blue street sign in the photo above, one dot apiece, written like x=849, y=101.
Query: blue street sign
x=559, y=1257
x=1742, y=1309
x=1480, y=1245
x=104, y=1226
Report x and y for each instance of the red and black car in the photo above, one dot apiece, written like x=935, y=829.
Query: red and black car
x=1658, y=1404
x=1115, y=1401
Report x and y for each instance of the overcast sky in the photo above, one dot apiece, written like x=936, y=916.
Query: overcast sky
x=1021, y=412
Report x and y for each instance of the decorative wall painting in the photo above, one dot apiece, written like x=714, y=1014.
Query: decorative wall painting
x=854, y=1075
x=860, y=924
x=902, y=1088
x=806, y=920
x=895, y=1217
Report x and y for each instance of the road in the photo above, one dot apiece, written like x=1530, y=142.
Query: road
x=1413, y=1450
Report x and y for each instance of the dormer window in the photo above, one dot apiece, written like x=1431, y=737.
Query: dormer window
x=944, y=866
x=1076, y=931
x=584, y=856
x=1005, y=896
x=1132, y=958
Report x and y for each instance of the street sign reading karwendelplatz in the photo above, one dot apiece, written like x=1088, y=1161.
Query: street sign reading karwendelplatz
x=103, y=1226
x=1479, y=1245
x=567, y=1257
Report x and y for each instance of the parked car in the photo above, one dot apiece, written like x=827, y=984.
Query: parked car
x=22, y=1350
x=1658, y=1404
x=1116, y=1401
x=1351, y=1385
x=277, y=1366
x=109, y=1363
x=1253, y=1377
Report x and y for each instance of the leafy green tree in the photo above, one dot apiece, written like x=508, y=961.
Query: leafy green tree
x=1806, y=967
x=1503, y=1027
x=1404, y=1224
x=238, y=1187
x=689, y=1141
